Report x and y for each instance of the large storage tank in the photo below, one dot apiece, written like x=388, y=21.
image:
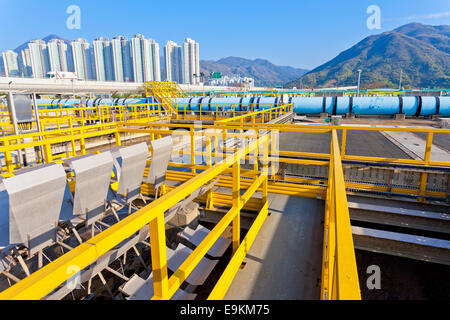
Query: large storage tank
x=376, y=105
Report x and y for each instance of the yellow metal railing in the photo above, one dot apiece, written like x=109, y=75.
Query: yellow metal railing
x=263, y=115
x=46, y=279
x=73, y=135
x=146, y=123
x=339, y=272
x=166, y=92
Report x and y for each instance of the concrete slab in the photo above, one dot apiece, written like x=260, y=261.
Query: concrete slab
x=413, y=144
x=285, y=260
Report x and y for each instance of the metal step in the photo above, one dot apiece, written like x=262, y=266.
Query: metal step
x=402, y=245
x=142, y=289
x=195, y=237
x=398, y=216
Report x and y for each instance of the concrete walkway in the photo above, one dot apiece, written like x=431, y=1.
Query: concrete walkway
x=285, y=260
x=415, y=146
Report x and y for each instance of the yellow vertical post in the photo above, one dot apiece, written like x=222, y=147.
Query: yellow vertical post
x=48, y=153
x=224, y=139
x=72, y=142
x=82, y=142
x=117, y=137
x=8, y=158
x=428, y=148
x=209, y=199
x=424, y=175
x=265, y=171
x=236, y=203
x=344, y=143
x=256, y=151
x=159, y=257
x=216, y=146
x=192, y=136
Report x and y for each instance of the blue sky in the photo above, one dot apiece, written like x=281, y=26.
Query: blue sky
x=298, y=33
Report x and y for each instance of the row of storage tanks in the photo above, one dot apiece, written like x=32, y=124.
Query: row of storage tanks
x=410, y=106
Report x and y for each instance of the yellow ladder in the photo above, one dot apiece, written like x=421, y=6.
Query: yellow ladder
x=165, y=92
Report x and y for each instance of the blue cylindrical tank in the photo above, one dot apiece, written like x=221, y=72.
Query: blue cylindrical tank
x=308, y=105
x=376, y=105
x=329, y=101
x=428, y=106
x=183, y=103
x=342, y=105
x=409, y=105
x=267, y=103
x=246, y=104
x=444, y=106
x=225, y=103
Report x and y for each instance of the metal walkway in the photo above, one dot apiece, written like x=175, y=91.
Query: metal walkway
x=292, y=235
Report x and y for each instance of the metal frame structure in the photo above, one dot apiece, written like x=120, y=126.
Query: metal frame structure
x=223, y=165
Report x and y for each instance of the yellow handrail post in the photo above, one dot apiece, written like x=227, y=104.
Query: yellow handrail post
x=8, y=158
x=209, y=197
x=236, y=204
x=159, y=257
x=344, y=143
x=192, y=137
x=424, y=175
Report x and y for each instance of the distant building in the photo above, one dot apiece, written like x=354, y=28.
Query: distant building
x=40, y=62
x=173, y=57
x=151, y=63
x=191, y=62
x=138, y=59
x=25, y=63
x=82, y=54
x=117, y=56
x=57, y=50
x=145, y=59
x=233, y=81
x=103, y=59
x=10, y=64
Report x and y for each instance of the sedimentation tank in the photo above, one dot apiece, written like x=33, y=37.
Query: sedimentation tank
x=410, y=106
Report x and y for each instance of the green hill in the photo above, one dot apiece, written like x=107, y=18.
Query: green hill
x=421, y=51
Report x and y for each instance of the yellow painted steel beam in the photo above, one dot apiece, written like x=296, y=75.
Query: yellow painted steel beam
x=224, y=282
x=43, y=281
x=341, y=275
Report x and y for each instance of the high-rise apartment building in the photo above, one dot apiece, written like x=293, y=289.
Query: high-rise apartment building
x=58, y=53
x=82, y=57
x=173, y=57
x=40, y=62
x=10, y=64
x=137, y=59
x=103, y=59
x=191, y=62
x=145, y=59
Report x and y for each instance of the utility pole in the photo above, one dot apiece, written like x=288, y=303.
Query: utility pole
x=400, y=82
x=359, y=80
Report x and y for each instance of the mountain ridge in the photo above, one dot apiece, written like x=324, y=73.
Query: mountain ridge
x=422, y=52
x=263, y=71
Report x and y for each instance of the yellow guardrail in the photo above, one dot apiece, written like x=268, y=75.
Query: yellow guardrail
x=339, y=272
x=270, y=113
x=46, y=139
x=46, y=279
x=157, y=129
